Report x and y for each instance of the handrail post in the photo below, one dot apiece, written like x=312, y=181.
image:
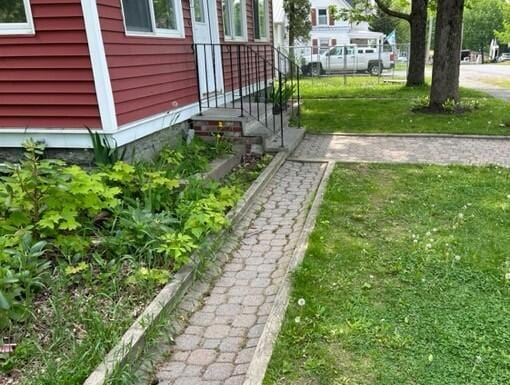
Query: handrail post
x=298, y=97
x=240, y=78
x=281, y=107
x=195, y=52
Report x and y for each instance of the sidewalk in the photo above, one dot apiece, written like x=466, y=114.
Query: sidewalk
x=220, y=339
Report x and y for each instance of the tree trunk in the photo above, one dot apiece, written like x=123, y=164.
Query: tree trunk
x=448, y=38
x=417, y=57
x=417, y=20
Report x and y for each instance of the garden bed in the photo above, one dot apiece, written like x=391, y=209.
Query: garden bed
x=84, y=252
x=406, y=280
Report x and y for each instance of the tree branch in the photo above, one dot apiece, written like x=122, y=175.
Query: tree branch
x=383, y=7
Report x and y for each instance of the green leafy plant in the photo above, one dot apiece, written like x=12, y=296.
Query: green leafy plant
x=449, y=106
x=222, y=146
x=280, y=96
x=156, y=276
x=48, y=198
x=23, y=272
x=176, y=248
x=104, y=152
x=135, y=231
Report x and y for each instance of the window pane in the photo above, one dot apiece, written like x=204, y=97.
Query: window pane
x=323, y=45
x=238, y=18
x=256, y=24
x=137, y=15
x=12, y=11
x=227, y=18
x=262, y=18
x=164, y=10
x=198, y=8
x=323, y=16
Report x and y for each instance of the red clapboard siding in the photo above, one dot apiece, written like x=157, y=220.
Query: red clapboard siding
x=149, y=74
x=46, y=80
x=252, y=66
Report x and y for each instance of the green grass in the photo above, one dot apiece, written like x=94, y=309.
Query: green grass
x=364, y=87
x=405, y=281
x=497, y=81
x=366, y=106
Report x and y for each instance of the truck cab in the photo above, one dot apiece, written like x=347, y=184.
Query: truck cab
x=349, y=58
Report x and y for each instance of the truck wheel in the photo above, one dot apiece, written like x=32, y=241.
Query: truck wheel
x=315, y=69
x=375, y=69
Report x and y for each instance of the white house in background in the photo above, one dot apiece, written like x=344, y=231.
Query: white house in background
x=327, y=32
x=280, y=35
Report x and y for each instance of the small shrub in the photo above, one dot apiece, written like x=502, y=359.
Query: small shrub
x=48, y=198
x=23, y=272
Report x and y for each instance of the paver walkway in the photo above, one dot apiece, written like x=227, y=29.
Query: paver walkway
x=439, y=150
x=218, y=344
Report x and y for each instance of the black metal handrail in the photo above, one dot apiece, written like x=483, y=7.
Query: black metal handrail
x=250, y=72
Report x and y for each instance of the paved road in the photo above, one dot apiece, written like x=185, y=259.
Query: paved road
x=395, y=149
x=475, y=71
x=479, y=77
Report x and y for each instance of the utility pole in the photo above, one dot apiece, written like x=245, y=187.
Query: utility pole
x=429, y=40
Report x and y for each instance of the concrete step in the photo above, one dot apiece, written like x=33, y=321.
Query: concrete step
x=291, y=139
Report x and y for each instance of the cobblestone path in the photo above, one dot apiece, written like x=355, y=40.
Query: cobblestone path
x=218, y=344
x=395, y=149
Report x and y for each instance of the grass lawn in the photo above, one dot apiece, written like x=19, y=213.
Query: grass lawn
x=366, y=106
x=405, y=281
x=498, y=81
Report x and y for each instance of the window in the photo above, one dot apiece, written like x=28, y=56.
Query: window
x=15, y=17
x=260, y=19
x=198, y=11
x=234, y=19
x=323, y=45
x=323, y=16
x=153, y=17
x=336, y=51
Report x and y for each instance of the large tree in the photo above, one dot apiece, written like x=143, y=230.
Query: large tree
x=481, y=19
x=298, y=18
x=448, y=40
x=381, y=22
x=417, y=19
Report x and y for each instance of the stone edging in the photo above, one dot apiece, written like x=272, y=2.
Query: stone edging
x=262, y=355
x=411, y=135
x=133, y=339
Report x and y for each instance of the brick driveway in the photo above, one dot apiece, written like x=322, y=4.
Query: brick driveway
x=405, y=149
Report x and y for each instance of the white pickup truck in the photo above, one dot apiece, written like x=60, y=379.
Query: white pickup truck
x=350, y=58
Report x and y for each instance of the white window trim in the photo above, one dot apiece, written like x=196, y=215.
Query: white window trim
x=26, y=28
x=263, y=39
x=245, y=28
x=318, y=17
x=192, y=7
x=159, y=32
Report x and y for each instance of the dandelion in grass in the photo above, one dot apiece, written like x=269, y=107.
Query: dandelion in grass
x=297, y=319
x=301, y=302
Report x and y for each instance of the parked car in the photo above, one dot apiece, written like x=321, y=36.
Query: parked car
x=504, y=57
x=349, y=58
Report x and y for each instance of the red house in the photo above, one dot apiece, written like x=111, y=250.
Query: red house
x=131, y=69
